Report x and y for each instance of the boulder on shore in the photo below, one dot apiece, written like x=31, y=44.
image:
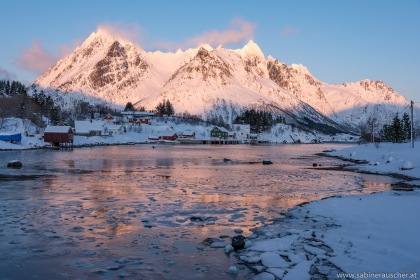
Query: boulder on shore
x=238, y=242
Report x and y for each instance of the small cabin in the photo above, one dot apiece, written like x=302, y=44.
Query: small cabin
x=217, y=132
x=58, y=135
x=187, y=135
x=109, y=118
x=114, y=129
x=91, y=128
x=169, y=138
x=242, y=131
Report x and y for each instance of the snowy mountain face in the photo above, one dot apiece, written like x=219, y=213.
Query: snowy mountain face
x=206, y=81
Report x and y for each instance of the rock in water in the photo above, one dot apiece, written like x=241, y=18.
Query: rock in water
x=14, y=164
x=238, y=242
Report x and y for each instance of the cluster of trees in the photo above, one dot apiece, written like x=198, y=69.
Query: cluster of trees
x=47, y=107
x=165, y=108
x=16, y=102
x=398, y=131
x=258, y=120
x=12, y=88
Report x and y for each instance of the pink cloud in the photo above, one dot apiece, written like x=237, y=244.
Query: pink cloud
x=289, y=30
x=35, y=58
x=238, y=31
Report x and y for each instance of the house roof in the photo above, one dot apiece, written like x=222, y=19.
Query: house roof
x=221, y=129
x=114, y=126
x=57, y=129
x=87, y=126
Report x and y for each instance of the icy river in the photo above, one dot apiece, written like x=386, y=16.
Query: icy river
x=137, y=212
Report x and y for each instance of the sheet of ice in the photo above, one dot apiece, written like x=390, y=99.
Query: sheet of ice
x=270, y=259
x=275, y=244
x=299, y=272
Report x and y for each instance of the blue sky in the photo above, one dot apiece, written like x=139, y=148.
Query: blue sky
x=337, y=40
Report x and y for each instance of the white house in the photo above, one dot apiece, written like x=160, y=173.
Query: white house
x=91, y=128
x=243, y=131
x=114, y=129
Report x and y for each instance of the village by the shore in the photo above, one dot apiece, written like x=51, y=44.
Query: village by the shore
x=136, y=127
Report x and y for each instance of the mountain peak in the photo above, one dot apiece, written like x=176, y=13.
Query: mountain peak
x=250, y=49
x=207, y=47
x=106, y=37
x=301, y=69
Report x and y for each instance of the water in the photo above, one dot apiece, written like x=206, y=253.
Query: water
x=140, y=213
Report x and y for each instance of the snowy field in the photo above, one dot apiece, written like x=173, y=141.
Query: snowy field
x=373, y=236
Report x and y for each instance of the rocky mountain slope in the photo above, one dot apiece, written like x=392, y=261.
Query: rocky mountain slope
x=204, y=80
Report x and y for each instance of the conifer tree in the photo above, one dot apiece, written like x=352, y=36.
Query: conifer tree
x=169, y=109
x=406, y=127
x=129, y=107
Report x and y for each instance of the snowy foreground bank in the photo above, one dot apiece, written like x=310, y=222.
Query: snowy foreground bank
x=385, y=158
x=358, y=237
x=372, y=236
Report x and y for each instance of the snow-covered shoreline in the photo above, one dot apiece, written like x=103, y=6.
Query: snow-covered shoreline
x=351, y=237
x=393, y=159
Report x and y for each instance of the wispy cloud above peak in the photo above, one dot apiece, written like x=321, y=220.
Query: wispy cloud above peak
x=239, y=31
x=36, y=59
x=121, y=31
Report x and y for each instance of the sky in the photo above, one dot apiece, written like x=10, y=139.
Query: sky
x=337, y=40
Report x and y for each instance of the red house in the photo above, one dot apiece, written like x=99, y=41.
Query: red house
x=109, y=118
x=58, y=135
x=139, y=120
x=169, y=138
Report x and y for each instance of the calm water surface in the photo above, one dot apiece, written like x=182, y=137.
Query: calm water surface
x=135, y=212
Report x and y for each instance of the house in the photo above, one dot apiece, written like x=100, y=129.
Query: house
x=154, y=138
x=187, y=135
x=137, y=117
x=169, y=138
x=242, y=131
x=217, y=132
x=59, y=134
x=91, y=128
x=114, y=129
x=109, y=118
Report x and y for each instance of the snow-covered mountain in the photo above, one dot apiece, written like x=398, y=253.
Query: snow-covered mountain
x=204, y=80
x=347, y=103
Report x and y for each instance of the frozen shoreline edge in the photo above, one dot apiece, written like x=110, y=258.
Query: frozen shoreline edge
x=321, y=259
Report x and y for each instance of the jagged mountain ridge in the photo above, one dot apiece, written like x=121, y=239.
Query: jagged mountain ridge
x=201, y=79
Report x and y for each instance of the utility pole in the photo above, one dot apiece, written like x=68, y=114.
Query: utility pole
x=373, y=130
x=412, y=124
